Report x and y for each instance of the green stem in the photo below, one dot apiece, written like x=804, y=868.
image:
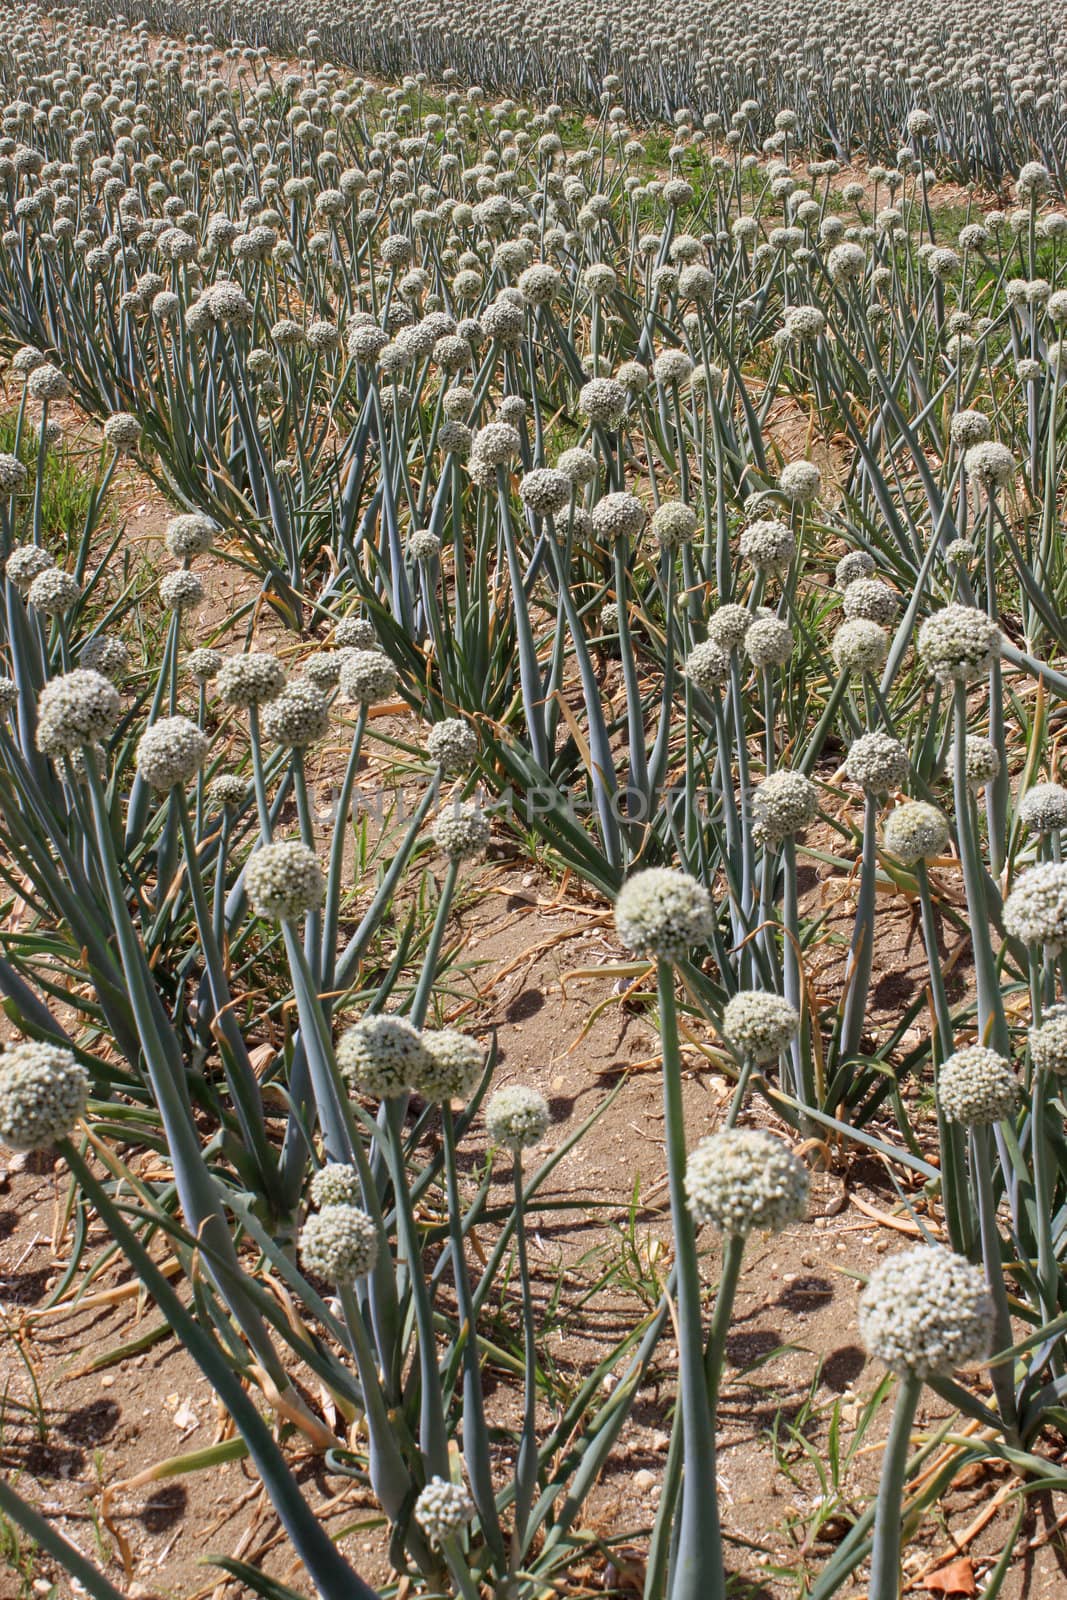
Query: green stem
x=526, y=1464
x=38, y=483
x=803, y=1076
x=258, y=776
x=244, y=1085
x=342, y=1139
x=741, y=1089
x=993, y=1261
x=659, y=1547
x=340, y=1134
x=420, y=1003
x=457, y=1565
x=475, y=1429
x=697, y=1571
x=885, y=1555
x=938, y=996
x=433, y=1438
x=992, y=1022
x=334, y=878
x=1048, y=1271
x=715, y=1355
x=860, y=962
x=313, y=926
x=954, y=1197
x=769, y=747
x=389, y=1475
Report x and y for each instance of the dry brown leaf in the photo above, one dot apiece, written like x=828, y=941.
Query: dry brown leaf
x=956, y=1578
x=260, y=1057
x=898, y=1224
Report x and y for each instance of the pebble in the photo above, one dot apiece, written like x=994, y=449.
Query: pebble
x=643, y=1480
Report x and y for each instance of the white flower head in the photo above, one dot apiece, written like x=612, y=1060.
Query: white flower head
x=339, y=1243
x=441, y=1509
x=663, y=913
x=1035, y=911
x=517, y=1117
x=284, y=881
x=382, y=1056
x=926, y=1312
x=959, y=644
x=759, y=1024
x=743, y=1180
x=43, y=1092
x=171, y=752
x=976, y=1086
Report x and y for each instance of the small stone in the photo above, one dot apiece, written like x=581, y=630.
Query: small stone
x=643, y=1480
